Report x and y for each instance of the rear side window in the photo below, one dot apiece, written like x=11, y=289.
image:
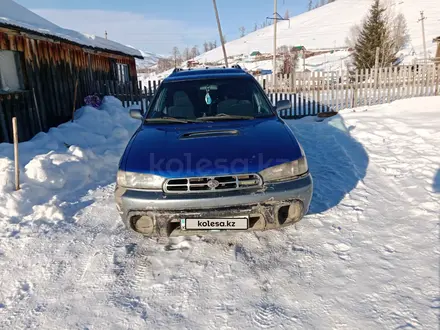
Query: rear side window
x=210, y=97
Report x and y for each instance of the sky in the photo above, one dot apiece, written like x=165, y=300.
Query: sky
x=159, y=25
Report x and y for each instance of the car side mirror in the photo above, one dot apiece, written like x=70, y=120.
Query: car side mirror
x=136, y=114
x=283, y=105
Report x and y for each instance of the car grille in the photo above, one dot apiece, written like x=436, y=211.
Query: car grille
x=213, y=183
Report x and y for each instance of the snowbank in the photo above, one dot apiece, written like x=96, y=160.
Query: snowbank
x=68, y=158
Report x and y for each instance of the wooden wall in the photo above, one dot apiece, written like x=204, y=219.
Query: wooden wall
x=51, y=69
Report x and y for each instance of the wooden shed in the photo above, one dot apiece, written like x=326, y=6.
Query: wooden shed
x=41, y=66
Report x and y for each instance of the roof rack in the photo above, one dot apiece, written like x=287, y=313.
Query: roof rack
x=236, y=66
x=177, y=70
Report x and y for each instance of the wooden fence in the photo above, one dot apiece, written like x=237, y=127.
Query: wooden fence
x=315, y=92
x=130, y=93
x=311, y=93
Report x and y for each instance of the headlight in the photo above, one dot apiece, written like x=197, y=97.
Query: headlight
x=286, y=171
x=139, y=180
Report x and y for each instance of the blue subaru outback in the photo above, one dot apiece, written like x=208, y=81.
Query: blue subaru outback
x=212, y=154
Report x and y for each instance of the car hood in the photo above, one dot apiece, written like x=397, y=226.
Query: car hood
x=218, y=148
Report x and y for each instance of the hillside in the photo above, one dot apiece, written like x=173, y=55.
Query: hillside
x=150, y=60
x=327, y=27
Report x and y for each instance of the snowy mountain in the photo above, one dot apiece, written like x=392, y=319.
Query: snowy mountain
x=150, y=60
x=328, y=26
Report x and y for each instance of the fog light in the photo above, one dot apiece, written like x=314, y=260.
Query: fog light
x=144, y=224
x=295, y=212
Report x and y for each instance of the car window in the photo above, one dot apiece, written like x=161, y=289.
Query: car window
x=210, y=97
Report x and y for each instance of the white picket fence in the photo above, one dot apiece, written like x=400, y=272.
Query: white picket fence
x=315, y=92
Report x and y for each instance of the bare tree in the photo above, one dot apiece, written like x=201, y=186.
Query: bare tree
x=264, y=24
x=242, y=30
x=176, y=56
x=214, y=44
x=290, y=59
x=287, y=14
x=283, y=49
x=310, y=5
x=255, y=27
x=164, y=64
x=194, y=52
x=206, y=46
x=353, y=35
x=186, y=54
x=400, y=33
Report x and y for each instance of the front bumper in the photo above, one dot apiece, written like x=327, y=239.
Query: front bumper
x=265, y=207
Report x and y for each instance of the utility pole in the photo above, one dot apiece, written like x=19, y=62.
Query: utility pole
x=220, y=33
x=376, y=67
x=274, y=70
x=422, y=19
x=304, y=59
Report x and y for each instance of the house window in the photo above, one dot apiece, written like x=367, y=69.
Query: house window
x=11, y=73
x=123, y=72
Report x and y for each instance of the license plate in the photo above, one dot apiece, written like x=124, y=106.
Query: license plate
x=241, y=223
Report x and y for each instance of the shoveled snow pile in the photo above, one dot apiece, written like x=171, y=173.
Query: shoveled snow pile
x=64, y=162
x=365, y=257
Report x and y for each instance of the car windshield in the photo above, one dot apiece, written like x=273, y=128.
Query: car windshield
x=209, y=100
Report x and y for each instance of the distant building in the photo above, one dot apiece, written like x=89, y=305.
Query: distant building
x=255, y=53
x=40, y=65
x=437, y=55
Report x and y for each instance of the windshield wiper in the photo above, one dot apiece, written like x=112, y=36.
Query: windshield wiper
x=171, y=120
x=223, y=116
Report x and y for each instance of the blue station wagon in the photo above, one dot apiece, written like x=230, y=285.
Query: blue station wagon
x=212, y=155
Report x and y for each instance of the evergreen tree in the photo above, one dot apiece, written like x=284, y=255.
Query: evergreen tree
x=374, y=33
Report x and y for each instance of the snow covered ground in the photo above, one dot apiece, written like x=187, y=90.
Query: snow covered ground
x=365, y=257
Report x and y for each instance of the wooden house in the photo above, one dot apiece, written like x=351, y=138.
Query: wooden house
x=46, y=71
